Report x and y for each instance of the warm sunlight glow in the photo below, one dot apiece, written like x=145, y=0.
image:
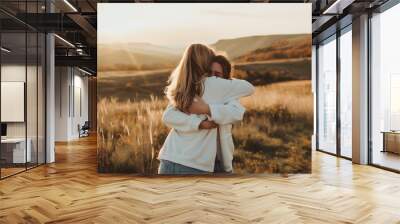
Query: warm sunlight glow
x=177, y=25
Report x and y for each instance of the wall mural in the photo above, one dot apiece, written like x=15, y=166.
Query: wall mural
x=204, y=88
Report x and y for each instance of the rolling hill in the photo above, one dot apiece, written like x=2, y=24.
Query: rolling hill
x=146, y=56
x=246, y=46
x=281, y=49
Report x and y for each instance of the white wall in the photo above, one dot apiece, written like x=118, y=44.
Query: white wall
x=70, y=83
x=62, y=81
x=33, y=126
x=79, y=117
x=15, y=73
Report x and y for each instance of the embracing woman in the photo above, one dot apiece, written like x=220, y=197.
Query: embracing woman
x=198, y=104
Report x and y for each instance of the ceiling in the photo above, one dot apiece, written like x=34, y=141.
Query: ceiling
x=75, y=21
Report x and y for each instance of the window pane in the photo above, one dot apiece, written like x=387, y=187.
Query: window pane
x=345, y=94
x=327, y=96
x=385, y=89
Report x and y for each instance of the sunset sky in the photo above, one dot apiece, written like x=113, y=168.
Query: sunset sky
x=177, y=25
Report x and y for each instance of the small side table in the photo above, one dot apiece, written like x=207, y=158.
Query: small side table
x=391, y=141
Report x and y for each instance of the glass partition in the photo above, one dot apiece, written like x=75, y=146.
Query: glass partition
x=14, y=153
x=22, y=88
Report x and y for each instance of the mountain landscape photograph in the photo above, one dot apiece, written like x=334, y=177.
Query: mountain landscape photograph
x=275, y=133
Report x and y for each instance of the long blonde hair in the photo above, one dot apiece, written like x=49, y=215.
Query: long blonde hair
x=186, y=81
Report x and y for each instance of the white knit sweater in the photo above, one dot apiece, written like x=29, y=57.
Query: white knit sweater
x=189, y=146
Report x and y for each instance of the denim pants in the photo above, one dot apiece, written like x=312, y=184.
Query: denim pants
x=171, y=168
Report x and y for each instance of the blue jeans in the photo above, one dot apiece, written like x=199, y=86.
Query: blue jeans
x=170, y=168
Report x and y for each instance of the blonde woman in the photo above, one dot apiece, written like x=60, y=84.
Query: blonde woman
x=191, y=145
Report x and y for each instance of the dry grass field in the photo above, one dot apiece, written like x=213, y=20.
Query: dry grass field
x=130, y=134
x=273, y=137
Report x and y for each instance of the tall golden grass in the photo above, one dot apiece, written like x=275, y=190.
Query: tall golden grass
x=293, y=95
x=273, y=137
x=130, y=135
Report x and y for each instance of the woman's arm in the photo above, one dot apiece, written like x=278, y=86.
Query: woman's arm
x=180, y=121
x=226, y=113
x=231, y=89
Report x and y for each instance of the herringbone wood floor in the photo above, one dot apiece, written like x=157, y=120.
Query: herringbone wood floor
x=71, y=191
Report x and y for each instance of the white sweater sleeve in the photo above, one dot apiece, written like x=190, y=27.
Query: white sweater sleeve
x=180, y=121
x=233, y=89
x=227, y=113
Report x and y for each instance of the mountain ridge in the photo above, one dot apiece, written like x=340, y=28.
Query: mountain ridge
x=148, y=56
x=237, y=47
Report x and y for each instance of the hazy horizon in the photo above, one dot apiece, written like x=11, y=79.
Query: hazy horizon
x=195, y=23
x=179, y=48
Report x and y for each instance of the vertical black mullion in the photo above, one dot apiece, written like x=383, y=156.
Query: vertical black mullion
x=45, y=89
x=369, y=88
x=45, y=95
x=317, y=96
x=37, y=89
x=73, y=91
x=69, y=92
x=26, y=86
x=60, y=86
x=80, y=103
x=338, y=73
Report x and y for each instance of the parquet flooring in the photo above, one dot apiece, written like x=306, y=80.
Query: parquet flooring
x=71, y=191
x=11, y=170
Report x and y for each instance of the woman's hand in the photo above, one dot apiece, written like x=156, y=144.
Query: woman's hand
x=206, y=124
x=199, y=107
